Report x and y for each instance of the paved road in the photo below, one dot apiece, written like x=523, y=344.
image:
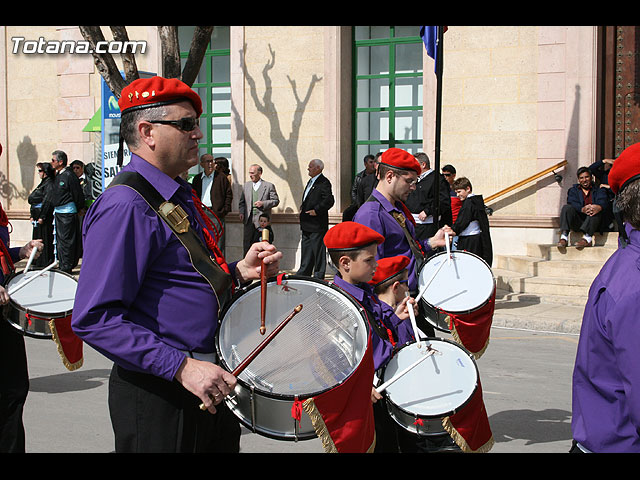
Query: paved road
x=526, y=379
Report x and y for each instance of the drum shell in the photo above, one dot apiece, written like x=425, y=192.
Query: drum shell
x=432, y=423
x=33, y=322
x=270, y=413
x=431, y=305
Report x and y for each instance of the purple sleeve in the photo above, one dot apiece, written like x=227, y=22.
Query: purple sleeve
x=121, y=238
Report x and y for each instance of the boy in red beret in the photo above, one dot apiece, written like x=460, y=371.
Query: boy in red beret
x=352, y=250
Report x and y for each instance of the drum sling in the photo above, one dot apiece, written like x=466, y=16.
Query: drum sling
x=413, y=245
x=177, y=220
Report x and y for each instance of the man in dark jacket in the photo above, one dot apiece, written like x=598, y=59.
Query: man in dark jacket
x=583, y=211
x=421, y=203
x=68, y=201
x=317, y=199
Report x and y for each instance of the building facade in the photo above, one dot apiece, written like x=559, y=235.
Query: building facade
x=516, y=100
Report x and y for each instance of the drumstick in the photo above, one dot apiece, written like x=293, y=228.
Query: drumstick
x=34, y=250
x=386, y=384
x=31, y=279
x=263, y=287
x=424, y=289
x=412, y=316
x=446, y=241
x=240, y=368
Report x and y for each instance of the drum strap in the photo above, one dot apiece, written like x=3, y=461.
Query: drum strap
x=177, y=220
x=413, y=245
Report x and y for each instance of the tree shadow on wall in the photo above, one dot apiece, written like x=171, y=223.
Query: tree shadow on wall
x=27, y=159
x=289, y=168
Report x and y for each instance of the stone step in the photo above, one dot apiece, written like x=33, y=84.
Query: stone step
x=537, y=266
x=548, y=289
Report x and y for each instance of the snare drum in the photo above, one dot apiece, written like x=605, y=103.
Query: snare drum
x=436, y=388
x=315, y=352
x=462, y=285
x=46, y=298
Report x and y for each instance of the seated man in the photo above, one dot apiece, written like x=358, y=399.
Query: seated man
x=583, y=211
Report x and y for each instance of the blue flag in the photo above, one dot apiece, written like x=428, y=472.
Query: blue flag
x=429, y=36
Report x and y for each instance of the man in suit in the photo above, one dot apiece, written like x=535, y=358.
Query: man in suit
x=258, y=196
x=214, y=191
x=317, y=199
x=421, y=200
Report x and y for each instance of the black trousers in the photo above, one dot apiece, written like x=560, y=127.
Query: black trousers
x=313, y=254
x=14, y=387
x=68, y=240
x=571, y=219
x=152, y=415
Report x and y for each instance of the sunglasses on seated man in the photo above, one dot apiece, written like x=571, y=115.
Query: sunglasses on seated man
x=186, y=124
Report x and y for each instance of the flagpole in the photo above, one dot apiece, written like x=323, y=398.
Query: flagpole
x=436, y=165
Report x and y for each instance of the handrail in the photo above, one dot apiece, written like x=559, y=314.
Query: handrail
x=525, y=181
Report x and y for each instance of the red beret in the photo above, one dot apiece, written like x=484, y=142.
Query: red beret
x=389, y=267
x=154, y=91
x=351, y=236
x=624, y=167
x=398, y=158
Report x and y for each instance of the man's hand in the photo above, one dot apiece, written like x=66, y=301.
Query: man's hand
x=208, y=381
x=250, y=266
x=439, y=239
x=25, y=251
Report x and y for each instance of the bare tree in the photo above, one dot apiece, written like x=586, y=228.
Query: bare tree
x=170, y=49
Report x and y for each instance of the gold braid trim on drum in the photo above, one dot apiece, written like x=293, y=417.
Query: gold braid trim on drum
x=460, y=440
x=319, y=426
x=456, y=337
x=55, y=336
x=322, y=431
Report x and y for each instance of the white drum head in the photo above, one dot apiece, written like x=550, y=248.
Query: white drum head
x=463, y=285
x=436, y=387
x=52, y=294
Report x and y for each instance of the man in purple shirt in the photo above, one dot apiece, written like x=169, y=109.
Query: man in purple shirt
x=606, y=377
x=385, y=210
x=398, y=171
x=141, y=302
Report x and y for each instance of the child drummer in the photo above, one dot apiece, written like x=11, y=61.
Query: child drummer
x=352, y=250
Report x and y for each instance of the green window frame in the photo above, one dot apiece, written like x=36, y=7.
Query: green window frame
x=387, y=90
x=213, y=84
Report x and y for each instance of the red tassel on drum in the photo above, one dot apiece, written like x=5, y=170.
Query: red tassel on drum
x=419, y=422
x=296, y=410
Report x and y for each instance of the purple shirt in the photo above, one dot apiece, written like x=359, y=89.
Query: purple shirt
x=139, y=300
x=377, y=216
x=606, y=376
x=382, y=349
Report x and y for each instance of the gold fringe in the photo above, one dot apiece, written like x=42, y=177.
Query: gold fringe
x=456, y=337
x=65, y=361
x=461, y=442
x=320, y=427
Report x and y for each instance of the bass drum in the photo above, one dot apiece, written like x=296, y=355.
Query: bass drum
x=436, y=388
x=315, y=352
x=49, y=297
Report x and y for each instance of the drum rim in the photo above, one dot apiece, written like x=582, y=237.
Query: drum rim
x=459, y=312
x=37, y=313
x=391, y=404
x=282, y=396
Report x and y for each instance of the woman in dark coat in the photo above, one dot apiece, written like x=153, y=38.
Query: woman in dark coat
x=41, y=213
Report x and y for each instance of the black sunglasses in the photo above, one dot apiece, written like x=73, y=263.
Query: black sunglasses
x=186, y=124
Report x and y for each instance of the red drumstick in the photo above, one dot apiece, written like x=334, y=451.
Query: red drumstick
x=263, y=287
x=238, y=370
x=261, y=346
